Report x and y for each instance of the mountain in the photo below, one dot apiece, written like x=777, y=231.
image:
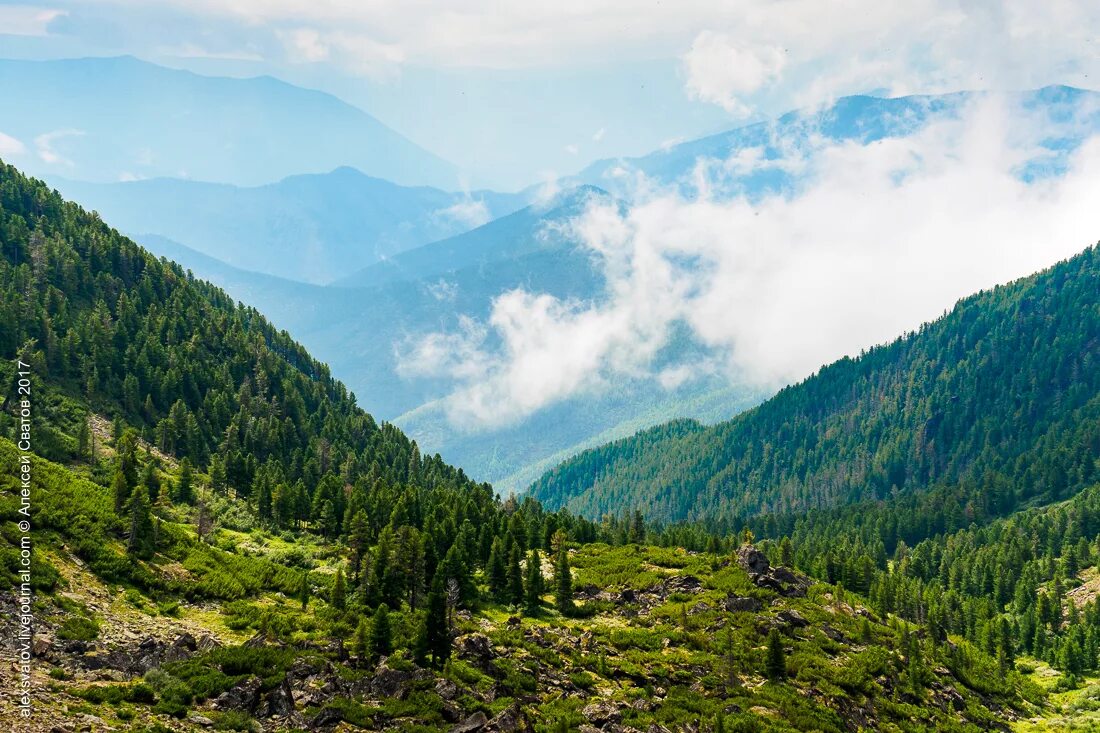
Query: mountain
x=461, y=276
x=110, y=119
x=221, y=538
x=362, y=327
x=534, y=229
x=310, y=228
x=1004, y=390
x=1069, y=114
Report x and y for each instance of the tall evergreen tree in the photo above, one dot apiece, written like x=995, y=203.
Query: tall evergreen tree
x=776, y=662
x=563, y=583
x=381, y=635
x=142, y=542
x=515, y=576
x=433, y=638
x=533, y=587
x=339, y=590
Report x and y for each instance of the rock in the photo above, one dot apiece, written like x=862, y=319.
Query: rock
x=627, y=596
x=601, y=713
x=446, y=689
x=791, y=618
x=42, y=645
x=476, y=647
x=514, y=621
x=327, y=718
x=202, y=720
x=278, y=703
x=390, y=682
x=833, y=634
x=741, y=603
x=753, y=560
x=510, y=720
x=475, y=722
x=207, y=643
x=243, y=696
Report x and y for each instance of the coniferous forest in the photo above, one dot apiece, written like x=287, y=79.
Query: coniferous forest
x=901, y=558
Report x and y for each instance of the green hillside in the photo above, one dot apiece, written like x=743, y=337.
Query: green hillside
x=223, y=540
x=1002, y=393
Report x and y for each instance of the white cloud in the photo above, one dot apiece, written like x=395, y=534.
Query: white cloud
x=722, y=69
x=803, y=52
x=598, y=135
x=10, y=146
x=878, y=239
x=27, y=20
x=571, y=149
x=733, y=52
x=357, y=52
x=44, y=145
x=468, y=212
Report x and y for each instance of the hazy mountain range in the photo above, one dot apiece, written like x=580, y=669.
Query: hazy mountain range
x=359, y=268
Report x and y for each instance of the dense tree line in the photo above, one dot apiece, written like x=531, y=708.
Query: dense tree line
x=1001, y=395
x=256, y=421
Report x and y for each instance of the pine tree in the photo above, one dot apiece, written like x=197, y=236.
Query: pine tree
x=515, y=576
x=533, y=588
x=184, y=490
x=120, y=490
x=433, y=638
x=304, y=590
x=496, y=571
x=776, y=663
x=142, y=543
x=83, y=441
x=563, y=583
x=362, y=641
x=381, y=636
x=358, y=539
x=339, y=590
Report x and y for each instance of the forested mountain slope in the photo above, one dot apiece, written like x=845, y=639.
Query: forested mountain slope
x=245, y=549
x=1002, y=392
x=200, y=377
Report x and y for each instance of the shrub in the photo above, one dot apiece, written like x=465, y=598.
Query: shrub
x=78, y=628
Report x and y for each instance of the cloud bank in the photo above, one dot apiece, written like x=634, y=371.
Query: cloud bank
x=876, y=239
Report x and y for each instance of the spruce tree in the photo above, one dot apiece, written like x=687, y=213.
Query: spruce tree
x=563, y=583
x=185, y=493
x=381, y=635
x=339, y=590
x=433, y=638
x=496, y=571
x=533, y=588
x=120, y=490
x=362, y=641
x=515, y=576
x=142, y=543
x=776, y=663
x=304, y=590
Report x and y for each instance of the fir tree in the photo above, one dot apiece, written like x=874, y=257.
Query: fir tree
x=142, y=543
x=776, y=663
x=362, y=641
x=496, y=571
x=339, y=591
x=304, y=590
x=533, y=588
x=563, y=583
x=381, y=636
x=433, y=638
x=184, y=490
x=515, y=576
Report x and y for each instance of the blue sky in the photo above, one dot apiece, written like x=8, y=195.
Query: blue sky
x=517, y=91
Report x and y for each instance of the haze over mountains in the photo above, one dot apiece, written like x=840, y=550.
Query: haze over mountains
x=396, y=287
x=111, y=119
